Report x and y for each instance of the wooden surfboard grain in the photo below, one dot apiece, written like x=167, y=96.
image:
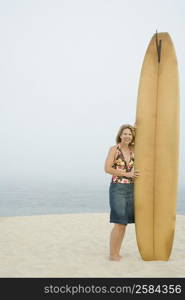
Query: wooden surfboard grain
x=157, y=151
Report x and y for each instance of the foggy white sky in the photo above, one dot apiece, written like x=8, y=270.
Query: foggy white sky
x=69, y=73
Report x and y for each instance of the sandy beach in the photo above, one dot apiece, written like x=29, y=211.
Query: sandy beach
x=77, y=245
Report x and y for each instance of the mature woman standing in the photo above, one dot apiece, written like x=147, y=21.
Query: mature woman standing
x=120, y=164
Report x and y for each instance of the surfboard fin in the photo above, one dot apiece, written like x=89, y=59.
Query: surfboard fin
x=158, y=45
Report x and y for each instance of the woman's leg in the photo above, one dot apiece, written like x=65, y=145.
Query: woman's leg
x=116, y=238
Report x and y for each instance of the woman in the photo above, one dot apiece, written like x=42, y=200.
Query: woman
x=120, y=164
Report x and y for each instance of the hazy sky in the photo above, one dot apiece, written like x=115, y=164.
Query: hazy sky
x=69, y=73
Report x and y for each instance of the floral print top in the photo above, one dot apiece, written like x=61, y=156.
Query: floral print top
x=120, y=163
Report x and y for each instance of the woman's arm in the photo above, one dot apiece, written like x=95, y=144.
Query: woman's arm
x=110, y=161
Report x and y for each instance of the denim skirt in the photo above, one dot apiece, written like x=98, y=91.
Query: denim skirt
x=121, y=200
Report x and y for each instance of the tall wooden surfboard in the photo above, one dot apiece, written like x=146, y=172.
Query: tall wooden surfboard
x=156, y=149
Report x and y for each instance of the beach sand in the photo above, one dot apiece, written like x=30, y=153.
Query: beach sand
x=77, y=245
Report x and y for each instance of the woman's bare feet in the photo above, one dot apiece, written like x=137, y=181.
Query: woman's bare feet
x=115, y=257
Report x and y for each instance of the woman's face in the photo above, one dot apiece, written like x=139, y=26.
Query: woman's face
x=126, y=136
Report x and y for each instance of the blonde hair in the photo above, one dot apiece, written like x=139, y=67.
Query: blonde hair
x=125, y=126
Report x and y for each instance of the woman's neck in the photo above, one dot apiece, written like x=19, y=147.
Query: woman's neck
x=124, y=146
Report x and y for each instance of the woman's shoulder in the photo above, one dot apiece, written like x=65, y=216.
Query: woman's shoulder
x=114, y=147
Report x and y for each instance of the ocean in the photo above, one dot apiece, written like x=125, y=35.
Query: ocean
x=56, y=198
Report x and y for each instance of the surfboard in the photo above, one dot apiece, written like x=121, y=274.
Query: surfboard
x=157, y=149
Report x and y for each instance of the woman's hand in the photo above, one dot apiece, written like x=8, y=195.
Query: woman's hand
x=132, y=174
